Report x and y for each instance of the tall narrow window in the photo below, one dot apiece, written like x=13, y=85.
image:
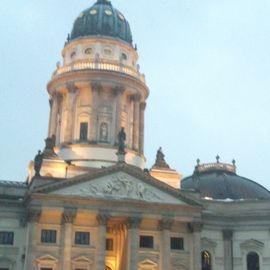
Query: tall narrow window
x=253, y=261
x=206, y=261
x=146, y=241
x=83, y=131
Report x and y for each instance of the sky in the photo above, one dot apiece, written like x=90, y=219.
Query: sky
x=206, y=64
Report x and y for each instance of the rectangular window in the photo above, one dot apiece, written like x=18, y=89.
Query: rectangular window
x=177, y=243
x=48, y=236
x=109, y=244
x=82, y=238
x=45, y=268
x=146, y=241
x=4, y=269
x=83, y=131
x=6, y=238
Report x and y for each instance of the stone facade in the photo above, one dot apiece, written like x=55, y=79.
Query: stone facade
x=94, y=207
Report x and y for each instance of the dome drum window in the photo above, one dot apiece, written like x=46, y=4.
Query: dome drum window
x=88, y=51
x=124, y=56
x=72, y=55
x=108, y=51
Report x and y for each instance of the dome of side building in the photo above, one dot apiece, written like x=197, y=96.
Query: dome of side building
x=219, y=181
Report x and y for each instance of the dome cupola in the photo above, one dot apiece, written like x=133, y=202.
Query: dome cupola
x=219, y=181
x=102, y=19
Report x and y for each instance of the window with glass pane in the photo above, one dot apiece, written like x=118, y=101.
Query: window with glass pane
x=48, y=236
x=83, y=131
x=253, y=261
x=6, y=238
x=109, y=244
x=206, y=261
x=82, y=238
x=177, y=243
x=146, y=241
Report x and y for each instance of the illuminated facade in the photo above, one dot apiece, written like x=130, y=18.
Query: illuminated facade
x=90, y=205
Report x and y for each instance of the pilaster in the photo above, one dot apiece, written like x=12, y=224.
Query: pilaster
x=33, y=217
x=228, y=249
x=96, y=89
x=72, y=92
x=165, y=227
x=68, y=217
x=195, y=228
x=55, y=104
x=118, y=91
x=102, y=220
x=133, y=242
x=136, y=121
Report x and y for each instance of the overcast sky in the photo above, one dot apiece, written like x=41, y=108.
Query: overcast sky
x=207, y=65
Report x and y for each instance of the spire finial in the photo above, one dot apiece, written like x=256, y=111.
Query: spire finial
x=198, y=161
x=217, y=158
x=234, y=162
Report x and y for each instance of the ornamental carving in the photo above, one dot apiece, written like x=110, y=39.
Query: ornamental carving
x=68, y=216
x=121, y=186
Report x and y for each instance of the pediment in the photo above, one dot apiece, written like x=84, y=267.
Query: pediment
x=147, y=263
x=119, y=186
x=47, y=258
x=82, y=260
x=207, y=243
x=251, y=244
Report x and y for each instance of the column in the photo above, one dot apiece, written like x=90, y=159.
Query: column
x=195, y=228
x=136, y=120
x=72, y=92
x=96, y=89
x=133, y=242
x=228, y=249
x=66, y=239
x=55, y=102
x=141, y=141
x=102, y=220
x=118, y=90
x=165, y=252
x=33, y=217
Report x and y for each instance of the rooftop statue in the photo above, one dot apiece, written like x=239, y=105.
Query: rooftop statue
x=38, y=163
x=160, y=160
x=121, y=141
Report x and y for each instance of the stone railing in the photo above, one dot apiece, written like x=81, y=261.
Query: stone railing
x=215, y=167
x=100, y=65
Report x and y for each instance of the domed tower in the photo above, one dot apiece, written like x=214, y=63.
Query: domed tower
x=98, y=90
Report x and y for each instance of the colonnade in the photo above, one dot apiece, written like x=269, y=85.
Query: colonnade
x=63, y=115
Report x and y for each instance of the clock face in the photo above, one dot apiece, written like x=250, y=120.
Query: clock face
x=108, y=12
x=93, y=11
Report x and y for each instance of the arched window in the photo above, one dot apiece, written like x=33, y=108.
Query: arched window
x=206, y=261
x=253, y=261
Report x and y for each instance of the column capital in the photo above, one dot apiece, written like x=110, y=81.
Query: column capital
x=165, y=224
x=227, y=234
x=118, y=90
x=133, y=222
x=33, y=215
x=142, y=106
x=102, y=219
x=96, y=86
x=72, y=88
x=195, y=227
x=68, y=215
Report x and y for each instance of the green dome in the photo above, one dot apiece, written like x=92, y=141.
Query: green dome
x=104, y=20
